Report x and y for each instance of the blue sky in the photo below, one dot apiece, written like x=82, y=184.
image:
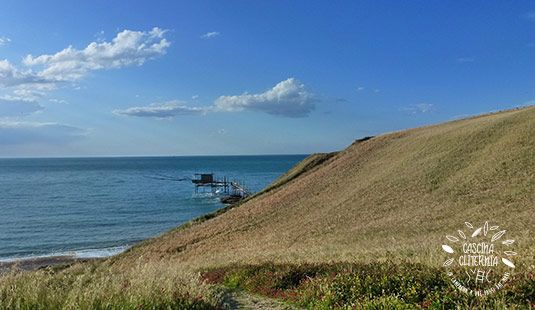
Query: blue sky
x=110, y=78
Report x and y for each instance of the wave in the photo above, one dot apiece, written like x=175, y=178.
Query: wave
x=85, y=253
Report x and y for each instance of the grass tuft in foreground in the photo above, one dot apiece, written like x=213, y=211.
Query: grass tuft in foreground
x=367, y=286
x=88, y=286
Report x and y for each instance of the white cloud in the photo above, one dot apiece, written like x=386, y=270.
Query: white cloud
x=11, y=76
x=17, y=133
x=28, y=93
x=4, y=41
x=419, y=108
x=14, y=107
x=288, y=98
x=127, y=48
x=210, y=35
x=362, y=89
x=70, y=64
x=162, y=110
x=58, y=101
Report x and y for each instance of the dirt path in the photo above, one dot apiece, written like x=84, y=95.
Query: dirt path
x=236, y=299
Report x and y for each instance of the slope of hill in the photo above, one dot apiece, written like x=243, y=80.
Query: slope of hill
x=393, y=196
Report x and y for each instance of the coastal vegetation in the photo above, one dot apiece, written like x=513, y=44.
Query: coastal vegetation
x=158, y=285
x=366, y=286
x=359, y=228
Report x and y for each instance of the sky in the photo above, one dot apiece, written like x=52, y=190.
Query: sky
x=179, y=78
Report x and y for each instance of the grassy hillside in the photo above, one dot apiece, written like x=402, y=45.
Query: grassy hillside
x=392, y=196
x=359, y=228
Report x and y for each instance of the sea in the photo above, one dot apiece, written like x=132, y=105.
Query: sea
x=98, y=207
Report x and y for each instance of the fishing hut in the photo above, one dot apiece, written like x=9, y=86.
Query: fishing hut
x=236, y=190
x=207, y=180
x=233, y=190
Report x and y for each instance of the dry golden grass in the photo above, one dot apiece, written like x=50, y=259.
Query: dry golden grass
x=154, y=285
x=391, y=197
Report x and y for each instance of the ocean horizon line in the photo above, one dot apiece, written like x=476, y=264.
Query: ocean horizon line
x=148, y=156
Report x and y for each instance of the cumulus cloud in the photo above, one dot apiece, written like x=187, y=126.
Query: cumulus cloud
x=17, y=133
x=44, y=72
x=288, y=98
x=210, y=35
x=127, y=48
x=4, y=40
x=11, y=76
x=12, y=107
x=162, y=110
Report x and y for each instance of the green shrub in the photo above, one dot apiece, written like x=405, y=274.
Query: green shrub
x=367, y=286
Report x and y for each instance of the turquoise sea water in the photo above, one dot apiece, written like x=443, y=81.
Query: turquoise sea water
x=91, y=207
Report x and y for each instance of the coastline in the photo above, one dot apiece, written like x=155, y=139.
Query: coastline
x=32, y=264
